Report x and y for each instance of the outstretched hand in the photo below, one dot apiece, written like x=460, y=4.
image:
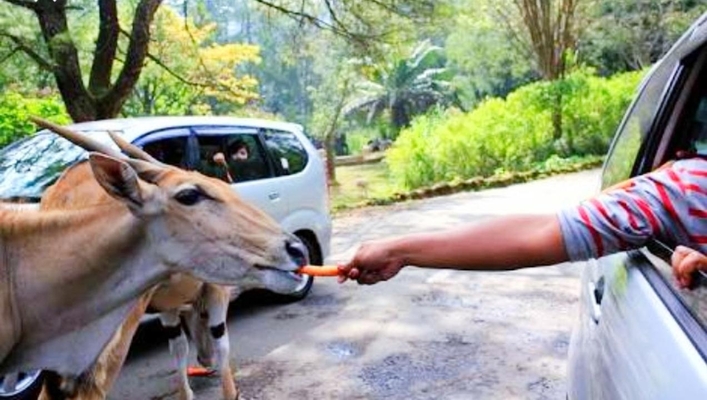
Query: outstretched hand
x=685, y=262
x=373, y=262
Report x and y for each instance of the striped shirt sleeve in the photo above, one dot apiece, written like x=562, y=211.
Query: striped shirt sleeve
x=670, y=203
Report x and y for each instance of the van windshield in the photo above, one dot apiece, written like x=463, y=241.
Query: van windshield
x=29, y=166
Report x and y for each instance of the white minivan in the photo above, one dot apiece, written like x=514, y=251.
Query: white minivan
x=283, y=175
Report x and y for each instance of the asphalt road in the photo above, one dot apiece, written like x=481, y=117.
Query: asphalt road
x=423, y=335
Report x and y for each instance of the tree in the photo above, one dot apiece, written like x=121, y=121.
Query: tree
x=546, y=31
x=103, y=95
x=96, y=85
x=339, y=70
x=186, y=72
x=405, y=87
x=627, y=35
x=485, y=62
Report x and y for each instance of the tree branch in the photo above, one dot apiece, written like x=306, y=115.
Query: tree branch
x=106, y=46
x=135, y=57
x=27, y=49
x=173, y=73
x=9, y=55
x=30, y=4
x=336, y=28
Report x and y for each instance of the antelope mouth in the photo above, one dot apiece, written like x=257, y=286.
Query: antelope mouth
x=290, y=272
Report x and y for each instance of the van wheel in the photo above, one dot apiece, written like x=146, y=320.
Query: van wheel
x=303, y=289
x=27, y=385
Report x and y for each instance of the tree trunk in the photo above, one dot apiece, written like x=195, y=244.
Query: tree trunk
x=100, y=99
x=64, y=59
x=329, y=143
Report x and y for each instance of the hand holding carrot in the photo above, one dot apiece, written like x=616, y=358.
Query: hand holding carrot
x=373, y=262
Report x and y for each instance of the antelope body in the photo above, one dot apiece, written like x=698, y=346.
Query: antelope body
x=69, y=278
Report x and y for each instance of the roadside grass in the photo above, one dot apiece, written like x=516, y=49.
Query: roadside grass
x=358, y=184
x=370, y=184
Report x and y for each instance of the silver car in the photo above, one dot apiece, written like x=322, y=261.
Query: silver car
x=283, y=174
x=639, y=336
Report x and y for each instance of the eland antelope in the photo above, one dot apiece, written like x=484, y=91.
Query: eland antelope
x=70, y=277
x=76, y=188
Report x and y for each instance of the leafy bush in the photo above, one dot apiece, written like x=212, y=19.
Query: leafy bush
x=16, y=108
x=512, y=134
x=358, y=138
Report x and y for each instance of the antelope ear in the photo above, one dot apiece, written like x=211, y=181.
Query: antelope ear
x=118, y=179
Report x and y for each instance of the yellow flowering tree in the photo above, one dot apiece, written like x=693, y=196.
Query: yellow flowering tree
x=188, y=73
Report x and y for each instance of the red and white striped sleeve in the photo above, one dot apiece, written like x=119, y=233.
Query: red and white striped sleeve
x=669, y=203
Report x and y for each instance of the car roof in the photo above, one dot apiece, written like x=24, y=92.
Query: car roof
x=133, y=128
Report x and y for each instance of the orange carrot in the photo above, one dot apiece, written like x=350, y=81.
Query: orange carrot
x=319, y=270
x=199, y=371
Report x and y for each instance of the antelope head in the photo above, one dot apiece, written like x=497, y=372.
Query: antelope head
x=194, y=224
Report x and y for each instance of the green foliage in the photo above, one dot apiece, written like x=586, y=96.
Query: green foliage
x=194, y=75
x=15, y=110
x=404, y=87
x=514, y=134
x=483, y=55
x=628, y=34
x=357, y=138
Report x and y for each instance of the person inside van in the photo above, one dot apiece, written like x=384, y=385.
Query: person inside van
x=238, y=152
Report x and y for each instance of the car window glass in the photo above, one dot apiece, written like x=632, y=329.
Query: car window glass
x=29, y=166
x=169, y=150
x=243, y=154
x=287, y=151
x=636, y=126
x=695, y=122
x=698, y=128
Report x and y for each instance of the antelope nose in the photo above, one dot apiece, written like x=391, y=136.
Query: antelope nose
x=297, y=252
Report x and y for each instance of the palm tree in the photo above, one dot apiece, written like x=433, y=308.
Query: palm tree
x=405, y=88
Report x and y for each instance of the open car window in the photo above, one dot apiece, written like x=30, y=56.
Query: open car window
x=252, y=165
x=687, y=138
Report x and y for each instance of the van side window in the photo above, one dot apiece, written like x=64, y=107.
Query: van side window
x=244, y=157
x=170, y=147
x=287, y=151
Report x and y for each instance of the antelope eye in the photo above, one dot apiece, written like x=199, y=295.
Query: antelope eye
x=189, y=197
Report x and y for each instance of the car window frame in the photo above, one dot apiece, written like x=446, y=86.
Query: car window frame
x=198, y=130
x=661, y=146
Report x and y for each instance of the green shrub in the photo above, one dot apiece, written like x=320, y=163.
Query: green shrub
x=358, y=138
x=512, y=134
x=15, y=110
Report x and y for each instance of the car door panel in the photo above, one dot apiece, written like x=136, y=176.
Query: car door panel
x=636, y=349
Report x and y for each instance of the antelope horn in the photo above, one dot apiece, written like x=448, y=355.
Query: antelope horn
x=134, y=151
x=82, y=141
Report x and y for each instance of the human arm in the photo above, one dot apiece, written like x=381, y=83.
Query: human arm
x=502, y=243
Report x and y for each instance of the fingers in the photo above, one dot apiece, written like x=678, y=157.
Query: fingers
x=346, y=272
x=685, y=262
